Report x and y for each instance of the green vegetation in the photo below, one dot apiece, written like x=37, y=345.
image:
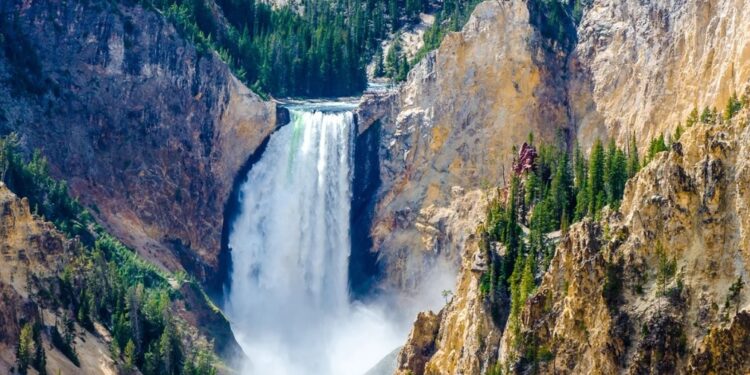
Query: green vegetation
x=30, y=349
x=103, y=281
x=557, y=19
x=322, y=51
x=545, y=199
x=451, y=17
x=666, y=269
x=735, y=295
x=558, y=189
x=64, y=342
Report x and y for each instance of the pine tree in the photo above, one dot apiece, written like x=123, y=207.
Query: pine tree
x=511, y=236
x=580, y=184
x=25, y=349
x=393, y=59
x=527, y=279
x=167, y=349
x=633, y=163
x=130, y=356
x=733, y=106
x=596, y=196
x=560, y=187
x=379, y=70
x=40, y=357
x=657, y=145
x=692, y=118
x=403, y=70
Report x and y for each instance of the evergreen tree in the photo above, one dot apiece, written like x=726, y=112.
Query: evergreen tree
x=692, y=118
x=595, y=184
x=403, y=71
x=561, y=188
x=580, y=184
x=633, y=163
x=169, y=349
x=379, y=70
x=656, y=146
x=527, y=284
x=616, y=173
x=40, y=357
x=733, y=106
x=511, y=233
x=393, y=59
x=130, y=356
x=25, y=349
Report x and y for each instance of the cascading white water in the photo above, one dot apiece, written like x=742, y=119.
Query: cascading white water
x=290, y=245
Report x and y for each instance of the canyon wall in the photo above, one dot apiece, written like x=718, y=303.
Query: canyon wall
x=639, y=68
x=453, y=124
x=632, y=68
x=635, y=69
x=148, y=131
x=651, y=288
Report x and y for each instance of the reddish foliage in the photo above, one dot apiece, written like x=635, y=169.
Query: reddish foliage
x=525, y=161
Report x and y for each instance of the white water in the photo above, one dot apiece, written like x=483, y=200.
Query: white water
x=289, y=302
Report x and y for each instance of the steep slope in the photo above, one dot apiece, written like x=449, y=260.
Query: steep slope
x=630, y=68
x=641, y=67
x=454, y=123
x=656, y=287
x=147, y=131
x=676, y=251
x=33, y=249
x=35, y=278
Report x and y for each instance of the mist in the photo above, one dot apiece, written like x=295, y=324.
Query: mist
x=289, y=302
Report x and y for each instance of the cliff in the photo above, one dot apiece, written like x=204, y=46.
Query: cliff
x=656, y=287
x=454, y=123
x=676, y=250
x=147, y=131
x=627, y=69
x=640, y=67
x=651, y=288
x=32, y=250
x=35, y=269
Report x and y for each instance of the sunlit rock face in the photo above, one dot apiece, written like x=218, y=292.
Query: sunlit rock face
x=640, y=67
x=454, y=122
x=632, y=68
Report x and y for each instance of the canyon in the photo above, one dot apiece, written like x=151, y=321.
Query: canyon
x=156, y=138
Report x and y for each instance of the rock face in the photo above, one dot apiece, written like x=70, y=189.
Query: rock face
x=148, y=131
x=651, y=288
x=640, y=67
x=34, y=257
x=689, y=207
x=454, y=123
x=33, y=250
x=30, y=246
x=633, y=68
x=462, y=338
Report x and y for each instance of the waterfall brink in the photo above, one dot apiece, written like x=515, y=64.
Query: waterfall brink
x=290, y=245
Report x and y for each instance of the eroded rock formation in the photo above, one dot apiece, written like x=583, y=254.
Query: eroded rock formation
x=148, y=131
x=650, y=288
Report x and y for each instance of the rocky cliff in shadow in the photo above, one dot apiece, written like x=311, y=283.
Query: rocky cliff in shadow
x=148, y=131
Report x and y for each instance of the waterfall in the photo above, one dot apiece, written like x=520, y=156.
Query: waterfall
x=288, y=301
